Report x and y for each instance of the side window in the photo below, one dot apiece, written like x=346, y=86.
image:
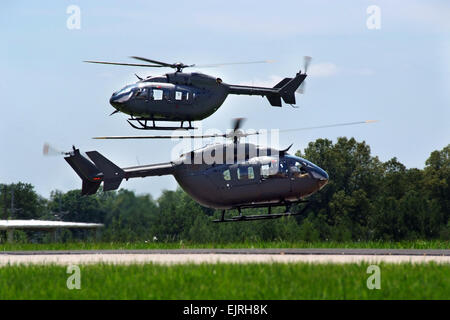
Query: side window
x=157, y=94
x=166, y=94
x=227, y=175
x=178, y=95
x=251, y=173
x=243, y=173
x=187, y=96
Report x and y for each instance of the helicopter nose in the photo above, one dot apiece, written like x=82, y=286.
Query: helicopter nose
x=113, y=101
x=321, y=176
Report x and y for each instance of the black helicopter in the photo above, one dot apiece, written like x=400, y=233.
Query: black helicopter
x=188, y=97
x=222, y=176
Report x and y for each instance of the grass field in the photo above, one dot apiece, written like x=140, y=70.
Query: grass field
x=227, y=281
x=183, y=245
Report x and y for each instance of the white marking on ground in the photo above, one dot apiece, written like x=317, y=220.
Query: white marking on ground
x=65, y=259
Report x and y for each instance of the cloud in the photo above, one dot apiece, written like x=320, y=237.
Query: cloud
x=324, y=69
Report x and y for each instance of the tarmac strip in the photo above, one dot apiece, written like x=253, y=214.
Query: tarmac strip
x=227, y=256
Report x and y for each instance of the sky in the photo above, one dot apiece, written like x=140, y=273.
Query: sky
x=398, y=73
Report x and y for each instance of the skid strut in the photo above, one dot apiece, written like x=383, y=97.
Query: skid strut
x=142, y=124
x=267, y=216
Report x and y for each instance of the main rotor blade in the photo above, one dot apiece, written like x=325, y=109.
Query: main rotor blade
x=160, y=137
x=228, y=135
x=230, y=63
x=123, y=64
x=330, y=125
x=153, y=61
x=237, y=123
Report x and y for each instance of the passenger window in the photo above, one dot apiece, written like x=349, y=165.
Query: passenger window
x=187, y=96
x=166, y=94
x=227, y=175
x=251, y=173
x=178, y=95
x=243, y=173
x=265, y=170
x=157, y=94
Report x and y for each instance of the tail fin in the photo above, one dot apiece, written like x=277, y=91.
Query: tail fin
x=86, y=170
x=287, y=90
x=113, y=175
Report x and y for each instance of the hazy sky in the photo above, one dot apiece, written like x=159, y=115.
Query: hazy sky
x=399, y=74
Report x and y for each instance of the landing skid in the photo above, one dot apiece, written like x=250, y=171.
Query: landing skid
x=143, y=125
x=267, y=216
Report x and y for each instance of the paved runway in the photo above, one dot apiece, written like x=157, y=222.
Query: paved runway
x=176, y=256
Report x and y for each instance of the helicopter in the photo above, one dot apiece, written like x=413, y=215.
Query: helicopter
x=225, y=176
x=188, y=97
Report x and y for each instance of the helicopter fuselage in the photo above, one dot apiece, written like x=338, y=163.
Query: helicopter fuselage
x=194, y=96
x=264, y=179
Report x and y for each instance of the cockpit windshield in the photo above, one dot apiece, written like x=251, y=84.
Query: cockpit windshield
x=125, y=90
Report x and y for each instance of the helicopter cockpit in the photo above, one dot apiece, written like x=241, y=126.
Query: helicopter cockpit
x=300, y=168
x=123, y=94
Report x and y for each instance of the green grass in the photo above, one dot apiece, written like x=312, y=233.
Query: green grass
x=227, y=281
x=436, y=244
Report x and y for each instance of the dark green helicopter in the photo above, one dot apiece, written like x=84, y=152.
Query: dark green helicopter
x=188, y=97
x=224, y=176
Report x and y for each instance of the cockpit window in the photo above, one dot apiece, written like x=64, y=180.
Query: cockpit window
x=142, y=93
x=300, y=167
x=125, y=90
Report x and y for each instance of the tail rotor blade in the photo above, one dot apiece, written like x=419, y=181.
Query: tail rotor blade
x=48, y=150
x=306, y=63
x=301, y=88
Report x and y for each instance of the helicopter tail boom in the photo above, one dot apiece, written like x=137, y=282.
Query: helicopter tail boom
x=285, y=89
x=99, y=169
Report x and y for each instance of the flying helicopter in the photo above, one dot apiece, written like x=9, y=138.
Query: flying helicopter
x=225, y=176
x=188, y=97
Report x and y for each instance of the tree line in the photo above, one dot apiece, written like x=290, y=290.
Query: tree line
x=365, y=199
